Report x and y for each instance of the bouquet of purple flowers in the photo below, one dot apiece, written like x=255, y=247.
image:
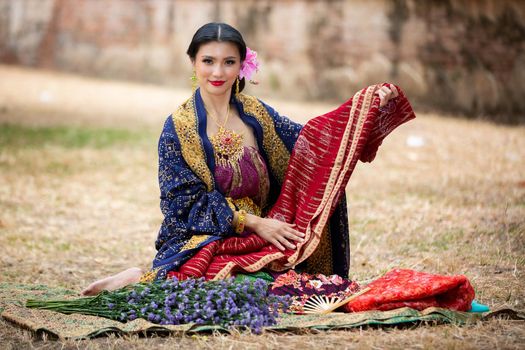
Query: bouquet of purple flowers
x=228, y=303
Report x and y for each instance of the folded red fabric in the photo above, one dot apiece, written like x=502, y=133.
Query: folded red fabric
x=417, y=290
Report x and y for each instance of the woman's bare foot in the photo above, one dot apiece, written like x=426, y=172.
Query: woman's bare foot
x=117, y=281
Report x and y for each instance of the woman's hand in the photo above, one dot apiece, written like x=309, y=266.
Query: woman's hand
x=386, y=93
x=278, y=233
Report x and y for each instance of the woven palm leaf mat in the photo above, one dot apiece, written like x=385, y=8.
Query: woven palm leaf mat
x=13, y=297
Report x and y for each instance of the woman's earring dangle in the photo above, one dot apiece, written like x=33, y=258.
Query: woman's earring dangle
x=237, y=87
x=193, y=81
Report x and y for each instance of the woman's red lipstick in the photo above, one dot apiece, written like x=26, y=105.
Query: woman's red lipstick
x=217, y=82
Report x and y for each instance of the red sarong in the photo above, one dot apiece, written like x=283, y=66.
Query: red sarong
x=320, y=165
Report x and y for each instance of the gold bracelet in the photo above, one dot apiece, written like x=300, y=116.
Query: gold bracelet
x=235, y=221
x=239, y=228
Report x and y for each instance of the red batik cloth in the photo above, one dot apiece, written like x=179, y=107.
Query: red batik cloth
x=319, y=168
x=417, y=290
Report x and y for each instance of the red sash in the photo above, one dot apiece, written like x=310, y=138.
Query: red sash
x=320, y=166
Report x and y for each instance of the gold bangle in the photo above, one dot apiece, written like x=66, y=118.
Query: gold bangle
x=241, y=221
x=235, y=221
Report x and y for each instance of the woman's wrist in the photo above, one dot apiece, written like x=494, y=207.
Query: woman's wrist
x=251, y=222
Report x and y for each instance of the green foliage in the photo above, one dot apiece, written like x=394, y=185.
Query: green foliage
x=17, y=136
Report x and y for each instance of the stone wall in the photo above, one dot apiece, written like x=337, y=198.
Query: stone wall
x=460, y=56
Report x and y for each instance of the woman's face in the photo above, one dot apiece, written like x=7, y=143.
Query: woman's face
x=217, y=65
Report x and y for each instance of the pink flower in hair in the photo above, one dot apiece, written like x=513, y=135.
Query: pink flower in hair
x=249, y=65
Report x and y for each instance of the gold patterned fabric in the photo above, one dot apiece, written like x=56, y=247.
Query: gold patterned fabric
x=186, y=126
x=320, y=261
x=247, y=204
x=195, y=241
x=278, y=155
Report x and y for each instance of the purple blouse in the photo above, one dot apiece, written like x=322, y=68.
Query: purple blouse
x=246, y=178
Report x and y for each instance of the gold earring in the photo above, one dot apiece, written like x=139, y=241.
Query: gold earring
x=237, y=87
x=193, y=81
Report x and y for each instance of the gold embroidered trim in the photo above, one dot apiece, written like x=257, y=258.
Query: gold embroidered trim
x=186, y=126
x=265, y=260
x=194, y=242
x=230, y=203
x=149, y=276
x=225, y=272
x=274, y=147
x=248, y=205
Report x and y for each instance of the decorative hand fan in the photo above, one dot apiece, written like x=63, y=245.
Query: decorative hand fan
x=322, y=304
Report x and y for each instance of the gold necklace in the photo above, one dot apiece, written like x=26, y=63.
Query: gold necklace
x=227, y=144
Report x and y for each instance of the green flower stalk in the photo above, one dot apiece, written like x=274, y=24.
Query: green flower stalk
x=228, y=303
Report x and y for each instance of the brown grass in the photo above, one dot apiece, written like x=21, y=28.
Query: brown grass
x=72, y=213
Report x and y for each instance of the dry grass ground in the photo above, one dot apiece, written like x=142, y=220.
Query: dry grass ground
x=79, y=200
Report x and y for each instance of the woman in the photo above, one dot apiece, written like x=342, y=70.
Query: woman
x=222, y=162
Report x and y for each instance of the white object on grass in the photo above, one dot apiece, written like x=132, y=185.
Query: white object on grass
x=415, y=141
x=321, y=304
